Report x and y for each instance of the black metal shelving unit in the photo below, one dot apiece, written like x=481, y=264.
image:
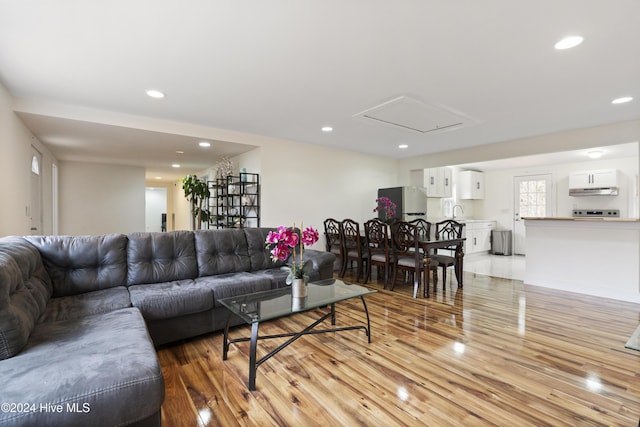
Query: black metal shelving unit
x=235, y=201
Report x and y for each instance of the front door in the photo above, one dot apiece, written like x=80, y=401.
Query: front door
x=532, y=198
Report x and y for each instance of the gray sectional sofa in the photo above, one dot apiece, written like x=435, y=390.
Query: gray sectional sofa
x=80, y=316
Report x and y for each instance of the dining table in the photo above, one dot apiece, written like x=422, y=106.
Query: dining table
x=429, y=245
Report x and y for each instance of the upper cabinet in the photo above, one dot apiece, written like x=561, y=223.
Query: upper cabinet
x=437, y=181
x=471, y=185
x=594, y=179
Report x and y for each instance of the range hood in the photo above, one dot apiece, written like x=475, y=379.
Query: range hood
x=602, y=191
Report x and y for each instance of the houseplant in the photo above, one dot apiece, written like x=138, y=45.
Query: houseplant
x=197, y=193
x=287, y=243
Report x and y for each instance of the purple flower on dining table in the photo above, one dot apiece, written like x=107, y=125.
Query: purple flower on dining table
x=387, y=207
x=284, y=241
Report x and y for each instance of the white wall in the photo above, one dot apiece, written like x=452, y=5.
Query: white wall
x=309, y=183
x=15, y=170
x=101, y=199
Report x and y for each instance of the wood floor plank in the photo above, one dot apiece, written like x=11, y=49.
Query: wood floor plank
x=496, y=352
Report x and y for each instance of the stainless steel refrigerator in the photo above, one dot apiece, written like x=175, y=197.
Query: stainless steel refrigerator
x=411, y=202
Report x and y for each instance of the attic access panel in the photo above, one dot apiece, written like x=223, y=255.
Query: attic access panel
x=414, y=115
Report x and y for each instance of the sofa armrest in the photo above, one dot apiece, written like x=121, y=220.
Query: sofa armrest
x=322, y=263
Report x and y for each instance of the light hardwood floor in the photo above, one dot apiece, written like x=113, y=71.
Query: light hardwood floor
x=494, y=353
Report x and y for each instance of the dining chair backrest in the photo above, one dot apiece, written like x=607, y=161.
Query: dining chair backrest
x=424, y=228
x=333, y=235
x=404, y=236
x=448, y=229
x=376, y=235
x=351, y=233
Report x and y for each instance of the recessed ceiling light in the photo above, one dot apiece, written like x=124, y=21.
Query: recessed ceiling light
x=622, y=100
x=403, y=146
x=179, y=152
x=155, y=93
x=568, y=42
x=204, y=144
x=595, y=154
x=327, y=129
x=175, y=165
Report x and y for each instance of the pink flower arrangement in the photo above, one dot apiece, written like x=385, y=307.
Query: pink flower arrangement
x=387, y=206
x=284, y=241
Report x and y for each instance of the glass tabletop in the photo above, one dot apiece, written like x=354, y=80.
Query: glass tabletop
x=274, y=303
x=634, y=341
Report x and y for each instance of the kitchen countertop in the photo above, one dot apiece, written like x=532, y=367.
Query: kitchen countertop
x=594, y=219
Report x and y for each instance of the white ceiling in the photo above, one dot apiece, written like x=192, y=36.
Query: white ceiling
x=284, y=69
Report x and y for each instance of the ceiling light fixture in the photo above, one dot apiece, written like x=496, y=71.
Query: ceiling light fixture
x=204, y=144
x=622, y=100
x=403, y=146
x=179, y=152
x=158, y=177
x=568, y=42
x=327, y=129
x=595, y=154
x=175, y=165
x=155, y=94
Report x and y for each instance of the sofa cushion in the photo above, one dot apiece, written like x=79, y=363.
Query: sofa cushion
x=276, y=276
x=78, y=264
x=103, y=366
x=161, y=257
x=221, y=251
x=171, y=299
x=229, y=285
x=25, y=289
x=89, y=303
x=258, y=253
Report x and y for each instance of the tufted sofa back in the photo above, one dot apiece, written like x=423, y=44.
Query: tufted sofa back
x=259, y=256
x=222, y=251
x=25, y=289
x=161, y=257
x=79, y=264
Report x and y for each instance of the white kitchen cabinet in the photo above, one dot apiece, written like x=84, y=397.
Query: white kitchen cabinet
x=594, y=179
x=478, y=234
x=437, y=181
x=471, y=185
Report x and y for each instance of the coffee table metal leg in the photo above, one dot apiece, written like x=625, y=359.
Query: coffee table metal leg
x=366, y=311
x=225, y=344
x=252, y=356
x=333, y=314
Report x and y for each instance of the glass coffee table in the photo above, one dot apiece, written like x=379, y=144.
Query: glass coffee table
x=267, y=305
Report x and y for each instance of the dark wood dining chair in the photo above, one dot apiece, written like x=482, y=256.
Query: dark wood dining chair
x=424, y=228
x=378, y=250
x=353, y=247
x=408, y=256
x=445, y=230
x=334, y=239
